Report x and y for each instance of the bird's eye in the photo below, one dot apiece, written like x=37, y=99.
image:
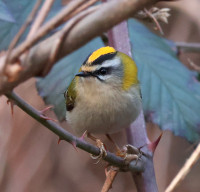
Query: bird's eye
x=103, y=71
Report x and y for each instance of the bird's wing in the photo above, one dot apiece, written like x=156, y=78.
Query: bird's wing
x=70, y=96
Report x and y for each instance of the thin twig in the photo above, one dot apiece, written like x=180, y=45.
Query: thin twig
x=41, y=17
x=184, y=170
x=110, y=176
x=188, y=47
x=65, y=135
x=63, y=34
x=155, y=20
x=81, y=8
x=52, y=24
x=193, y=65
x=21, y=31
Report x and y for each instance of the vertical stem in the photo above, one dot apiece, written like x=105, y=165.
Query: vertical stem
x=136, y=133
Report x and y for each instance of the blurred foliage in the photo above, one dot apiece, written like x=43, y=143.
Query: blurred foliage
x=5, y=14
x=171, y=95
x=13, y=14
x=198, y=76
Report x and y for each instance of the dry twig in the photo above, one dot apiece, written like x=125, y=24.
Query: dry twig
x=155, y=20
x=40, y=18
x=193, y=65
x=52, y=24
x=63, y=33
x=188, y=47
x=21, y=31
x=184, y=170
x=110, y=176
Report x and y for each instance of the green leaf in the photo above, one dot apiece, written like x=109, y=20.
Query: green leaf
x=198, y=77
x=5, y=14
x=171, y=94
x=20, y=11
x=53, y=86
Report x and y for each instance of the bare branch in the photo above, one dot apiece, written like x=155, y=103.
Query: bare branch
x=184, y=170
x=40, y=18
x=188, y=47
x=155, y=21
x=22, y=29
x=108, y=15
x=63, y=33
x=110, y=176
x=135, y=166
x=53, y=23
x=136, y=133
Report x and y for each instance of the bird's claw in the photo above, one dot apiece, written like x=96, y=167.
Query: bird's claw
x=130, y=153
x=102, y=153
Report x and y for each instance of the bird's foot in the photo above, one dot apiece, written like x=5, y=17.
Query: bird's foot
x=130, y=153
x=102, y=149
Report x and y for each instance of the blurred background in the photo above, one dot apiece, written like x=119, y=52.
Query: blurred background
x=31, y=160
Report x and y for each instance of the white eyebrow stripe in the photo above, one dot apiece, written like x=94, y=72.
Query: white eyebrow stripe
x=111, y=63
x=104, y=77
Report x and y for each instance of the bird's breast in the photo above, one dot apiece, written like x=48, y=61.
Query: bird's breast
x=103, y=110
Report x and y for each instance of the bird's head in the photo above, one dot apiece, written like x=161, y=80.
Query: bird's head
x=111, y=67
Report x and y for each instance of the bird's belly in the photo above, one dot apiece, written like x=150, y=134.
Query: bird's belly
x=105, y=116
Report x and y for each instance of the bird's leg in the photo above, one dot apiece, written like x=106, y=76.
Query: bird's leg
x=118, y=150
x=101, y=147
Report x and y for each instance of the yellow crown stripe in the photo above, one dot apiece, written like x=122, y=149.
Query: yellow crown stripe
x=102, y=51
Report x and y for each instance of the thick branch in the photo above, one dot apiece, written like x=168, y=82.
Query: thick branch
x=134, y=166
x=136, y=133
x=91, y=26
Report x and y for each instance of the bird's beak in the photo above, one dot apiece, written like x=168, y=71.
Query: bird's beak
x=83, y=74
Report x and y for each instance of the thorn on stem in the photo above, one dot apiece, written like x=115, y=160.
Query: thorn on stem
x=12, y=103
x=48, y=118
x=43, y=116
x=153, y=145
x=73, y=143
x=47, y=108
x=59, y=140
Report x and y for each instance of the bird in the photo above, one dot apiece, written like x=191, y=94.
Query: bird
x=104, y=97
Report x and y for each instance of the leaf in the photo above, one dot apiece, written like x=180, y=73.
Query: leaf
x=5, y=14
x=53, y=86
x=20, y=11
x=198, y=77
x=171, y=94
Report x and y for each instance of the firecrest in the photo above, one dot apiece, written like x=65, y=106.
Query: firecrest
x=104, y=97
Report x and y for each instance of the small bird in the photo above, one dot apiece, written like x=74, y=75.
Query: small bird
x=104, y=97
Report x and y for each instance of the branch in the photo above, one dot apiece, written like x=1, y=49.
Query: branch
x=67, y=13
x=21, y=31
x=40, y=18
x=134, y=166
x=110, y=176
x=136, y=133
x=108, y=15
x=188, y=47
x=184, y=170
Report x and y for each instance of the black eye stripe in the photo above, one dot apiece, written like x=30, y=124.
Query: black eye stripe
x=103, y=71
